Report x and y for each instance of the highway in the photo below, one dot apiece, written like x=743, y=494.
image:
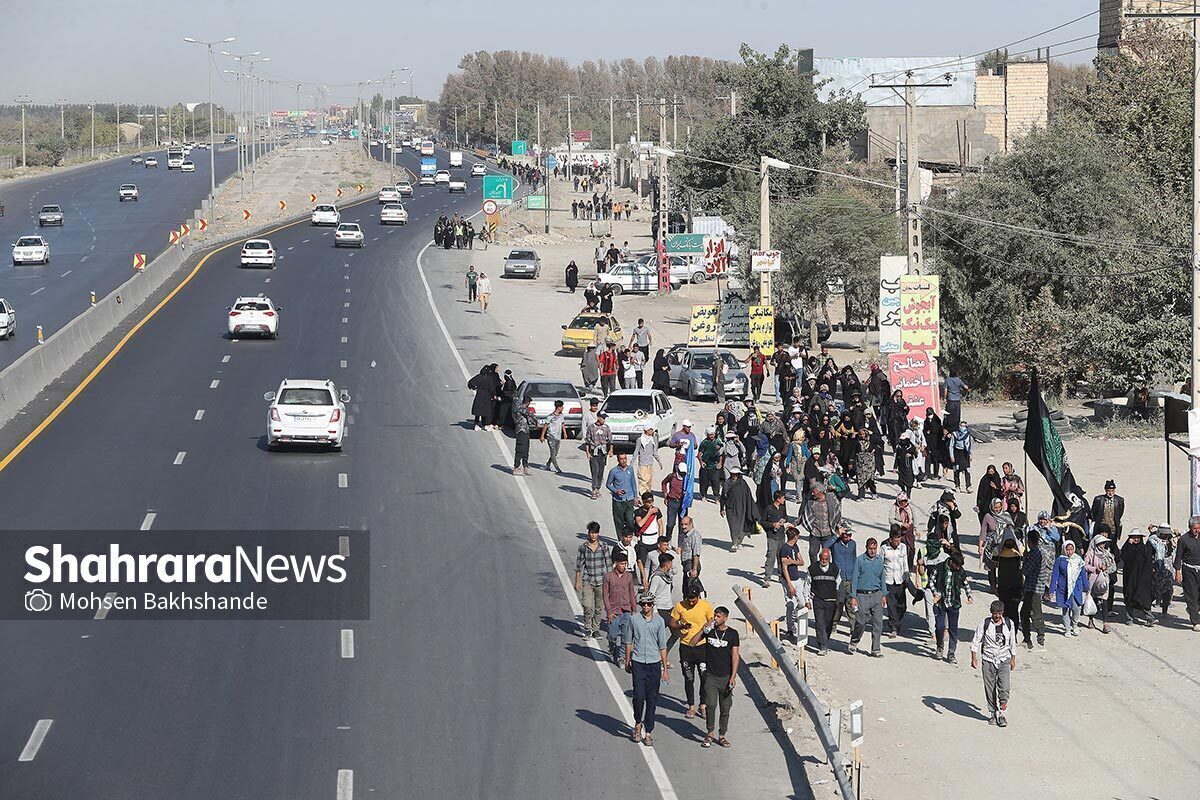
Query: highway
x=93, y=250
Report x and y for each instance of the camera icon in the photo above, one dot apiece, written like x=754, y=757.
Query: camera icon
x=38, y=600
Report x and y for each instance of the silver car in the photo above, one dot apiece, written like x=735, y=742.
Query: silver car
x=691, y=373
x=50, y=215
x=522, y=263
x=539, y=394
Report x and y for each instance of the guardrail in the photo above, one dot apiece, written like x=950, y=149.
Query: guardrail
x=808, y=698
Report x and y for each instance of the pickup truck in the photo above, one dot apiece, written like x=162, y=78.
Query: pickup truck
x=457, y=185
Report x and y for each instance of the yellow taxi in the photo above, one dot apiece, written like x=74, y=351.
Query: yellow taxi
x=580, y=333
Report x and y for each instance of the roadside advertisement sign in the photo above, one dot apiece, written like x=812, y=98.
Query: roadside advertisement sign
x=685, y=244
x=891, y=268
x=581, y=136
x=702, y=329
x=733, y=323
x=765, y=260
x=279, y=114
x=919, y=314
x=915, y=374
x=716, y=255
x=762, y=328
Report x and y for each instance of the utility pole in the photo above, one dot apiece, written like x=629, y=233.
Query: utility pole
x=92, y=107
x=912, y=163
x=137, y=118
x=516, y=133
x=23, y=100
x=637, y=122
x=674, y=120
x=496, y=122
x=662, y=121
x=118, y=129
x=612, y=148
x=456, y=124
x=764, y=228
x=1194, y=17
x=62, y=118
x=156, y=143
x=570, y=140
x=663, y=205
x=538, y=113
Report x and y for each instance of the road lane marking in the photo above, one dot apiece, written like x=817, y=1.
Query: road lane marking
x=347, y=643
x=343, y=365
x=225, y=360
x=347, y=290
x=215, y=383
x=345, y=320
x=305, y=241
x=148, y=520
x=600, y=659
x=345, y=339
x=65, y=274
x=179, y=457
x=105, y=607
x=199, y=415
x=35, y=739
x=345, y=784
x=343, y=546
x=35, y=291
x=343, y=480
x=85, y=258
x=345, y=305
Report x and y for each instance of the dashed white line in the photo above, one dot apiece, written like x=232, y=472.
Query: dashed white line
x=199, y=414
x=105, y=607
x=345, y=339
x=35, y=291
x=65, y=274
x=343, y=365
x=225, y=360
x=343, y=480
x=345, y=320
x=345, y=305
x=215, y=383
x=85, y=258
x=179, y=457
x=37, y=737
x=347, y=643
x=347, y=288
x=343, y=546
x=345, y=784
x=148, y=520
x=268, y=280
x=305, y=241
x=349, y=419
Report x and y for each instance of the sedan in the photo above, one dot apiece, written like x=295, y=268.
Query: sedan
x=31, y=250
x=405, y=189
x=135, y=160
x=127, y=192
x=306, y=412
x=348, y=234
x=151, y=162
x=457, y=185
x=256, y=315
x=389, y=194
x=633, y=278
x=326, y=215
x=258, y=253
x=8, y=320
x=691, y=374
x=187, y=166
x=631, y=411
x=682, y=269
x=538, y=396
x=478, y=170
x=522, y=262
x=441, y=176
x=393, y=214
x=50, y=215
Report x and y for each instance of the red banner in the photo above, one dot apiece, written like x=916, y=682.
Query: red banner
x=581, y=136
x=915, y=374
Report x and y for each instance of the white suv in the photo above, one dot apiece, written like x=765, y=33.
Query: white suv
x=258, y=253
x=306, y=412
x=326, y=215
x=31, y=250
x=254, y=315
x=127, y=192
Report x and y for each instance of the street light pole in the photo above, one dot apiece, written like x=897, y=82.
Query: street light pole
x=62, y=118
x=92, y=107
x=118, y=129
x=212, y=143
x=764, y=227
x=23, y=100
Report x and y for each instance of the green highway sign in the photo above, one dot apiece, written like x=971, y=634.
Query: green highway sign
x=497, y=187
x=535, y=201
x=519, y=147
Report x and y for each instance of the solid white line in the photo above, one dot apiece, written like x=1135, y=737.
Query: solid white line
x=35, y=291
x=657, y=771
x=345, y=784
x=215, y=384
x=179, y=457
x=148, y=520
x=225, y=360
x=35, y=739
x=347, y=643
x=199, y=414
x=103, y=610
x=343, y=546
x=343, y=480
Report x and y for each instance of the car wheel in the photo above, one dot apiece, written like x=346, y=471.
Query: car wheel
x=617, y=289
x=698, y=277
x=691, y=393
x=337, y=448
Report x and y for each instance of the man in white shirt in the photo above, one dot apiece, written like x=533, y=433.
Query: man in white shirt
x=994, y=642
x=895, y=576
x=641, y=338
x=645, y=457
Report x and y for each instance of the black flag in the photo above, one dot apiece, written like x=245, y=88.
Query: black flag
x=1045, y=449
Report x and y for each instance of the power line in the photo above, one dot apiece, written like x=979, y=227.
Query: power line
x=1067, y=238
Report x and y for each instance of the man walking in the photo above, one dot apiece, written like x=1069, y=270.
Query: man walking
x=620, y=601
x=722, y=645
x=1037, y=566
x=672, y=491
x=690, y=544
x=645, y=458
x=710, y=464
x=895, y=576
x=589, y=580
x=646, y=660
x=823, y=580
x=796, y=586
x=599, y=443
x=523, y=422
x=551, y=434
x=867, y=599
x=622, y=487
x=609, y=364
x=1187, y=570
x=775, y=523
x=844, y=551
x=470, y=282
x=994, y=643
x=690, y=618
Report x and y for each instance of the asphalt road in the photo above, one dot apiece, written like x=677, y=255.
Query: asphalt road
x=457, y=686
x=93, y=250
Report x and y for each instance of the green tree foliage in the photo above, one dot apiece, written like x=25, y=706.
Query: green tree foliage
x=47, y=151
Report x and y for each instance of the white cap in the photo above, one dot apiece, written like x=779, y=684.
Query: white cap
x=711, y=429
x=682, y=467
x=687, y=423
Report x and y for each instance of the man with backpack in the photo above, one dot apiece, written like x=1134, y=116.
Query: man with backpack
x=995, y=643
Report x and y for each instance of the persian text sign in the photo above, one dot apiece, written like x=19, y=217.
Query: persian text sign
x=716, y=255
x=685, y=244
x=915, y=374
x=702, y=330
x=891, y=268
x=762, y=328
x=765, y=261
x=919, y=314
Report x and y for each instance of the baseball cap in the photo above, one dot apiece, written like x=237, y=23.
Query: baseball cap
x=687, y=423
x=1043, y=514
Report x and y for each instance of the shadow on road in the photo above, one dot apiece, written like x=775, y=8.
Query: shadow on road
x=954, y=705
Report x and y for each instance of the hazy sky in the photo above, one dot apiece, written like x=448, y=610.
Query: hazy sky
x=119, y=50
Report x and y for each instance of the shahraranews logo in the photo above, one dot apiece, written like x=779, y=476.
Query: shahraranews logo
x=51, y=564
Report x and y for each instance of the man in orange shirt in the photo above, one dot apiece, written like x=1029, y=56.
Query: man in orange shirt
x=608, y=369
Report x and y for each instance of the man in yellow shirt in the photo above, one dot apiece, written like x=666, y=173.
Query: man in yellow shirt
x=691, y=619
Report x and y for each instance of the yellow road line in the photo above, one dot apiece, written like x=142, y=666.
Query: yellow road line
x=36, y=432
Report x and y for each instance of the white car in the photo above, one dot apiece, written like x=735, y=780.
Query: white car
x=348, y=234
x=631, y=410
x=254, y=315
x=389, y=194
x=326, y=215
x=8, y=320
x=457, y=185
x=633, y=278
x=127, y=191
x=306, y=412
x=682, y=268
x=135, y=160
x=406, y=143
x=31, y=250
x=258, y=253
x=478, y=170
x=202, y=146
x=187, y=166
x=441, y=176
x=405, y=189
x=393, y=213
x=151, y=162
x=374, y=143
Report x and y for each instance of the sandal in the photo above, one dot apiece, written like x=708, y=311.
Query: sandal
x=708, y=740
x=724, y=742
x=691, y=713
x=637, y=733
x=648, y=740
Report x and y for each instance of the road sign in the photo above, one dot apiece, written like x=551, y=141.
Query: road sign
x=765, y=260
x=245, y=214
x=551, y=161
x=139, y=261
x=203, y=224
x=339, y=193
x=519, y=147
x=312, y=198
x=360, y=188
x=856, y=723
x=174, y=237
x=685, y=244
x=498, y=187
x=184, y=230
x=490, y=207
x=535, y=202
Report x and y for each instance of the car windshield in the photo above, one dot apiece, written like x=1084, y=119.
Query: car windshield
x=393, y=207
x=586, y=323
x=522, y=255
x=705, y=360
x=326, y=208
x=253, y=305
x=305, y=397
x=50, y=209
x=3, y=307
x=128, y=186
x=627, y=404
x=348, y=227
x=552, y=390
x=29, y=241
x=258, y=245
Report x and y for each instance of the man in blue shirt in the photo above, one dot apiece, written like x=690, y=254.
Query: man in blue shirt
x=622, y=485
x=844, y=551
x=646, y=660
x=867, y=598
x=956, y=389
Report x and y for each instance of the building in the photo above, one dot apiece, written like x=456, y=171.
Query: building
x=1115, y=26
